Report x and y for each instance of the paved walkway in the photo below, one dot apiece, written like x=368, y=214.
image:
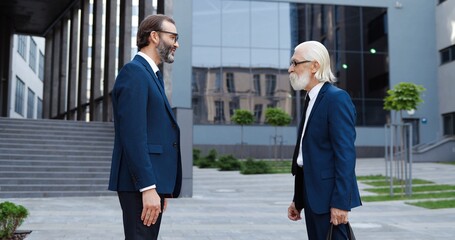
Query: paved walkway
x=228, y=205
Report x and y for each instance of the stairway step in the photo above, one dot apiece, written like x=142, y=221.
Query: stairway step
x=108, y=142
x=44, y=181
x=32, y=169
x=18, y=174
x=52, y=122
x=38, y=194
x=53, y=146
x=54, y=158
x=12, y=156
x=59, y=152
x=58, y=163
x=56, y=187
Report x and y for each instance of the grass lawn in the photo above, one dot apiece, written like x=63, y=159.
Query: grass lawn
x=434, y=204
x=421, y=189
x=451, y=163
x=283, y=166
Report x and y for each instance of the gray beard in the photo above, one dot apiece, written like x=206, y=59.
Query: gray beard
x=165, y=52
x=299, y=82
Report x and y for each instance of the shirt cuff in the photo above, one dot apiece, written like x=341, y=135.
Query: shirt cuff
x=147, y=188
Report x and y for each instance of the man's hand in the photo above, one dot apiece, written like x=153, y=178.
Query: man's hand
x=338, y=216
x=293, y=213
x=151, y=207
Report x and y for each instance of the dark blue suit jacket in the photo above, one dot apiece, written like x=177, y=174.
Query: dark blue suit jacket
x=329, y=154
x=147, y=137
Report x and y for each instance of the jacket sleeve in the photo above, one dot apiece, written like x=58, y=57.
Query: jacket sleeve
x=342, y=136
x=132, y=103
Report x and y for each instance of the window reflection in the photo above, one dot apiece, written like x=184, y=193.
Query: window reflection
x=241, y=51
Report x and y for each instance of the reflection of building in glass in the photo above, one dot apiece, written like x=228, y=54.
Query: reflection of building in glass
x=252, y=60
x=241, y=63
x=217, y=92
x=356, y=38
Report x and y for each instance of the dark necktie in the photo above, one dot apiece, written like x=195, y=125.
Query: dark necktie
x=299, y=136
x=160, y=78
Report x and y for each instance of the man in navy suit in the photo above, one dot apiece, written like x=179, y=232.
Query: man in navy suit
x=324, y=157
x=146, y=162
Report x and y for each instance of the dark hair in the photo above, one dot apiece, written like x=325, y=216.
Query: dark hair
x=149, y=24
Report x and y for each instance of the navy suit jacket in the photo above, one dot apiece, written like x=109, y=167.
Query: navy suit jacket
x=328, y=153
x=147, y=137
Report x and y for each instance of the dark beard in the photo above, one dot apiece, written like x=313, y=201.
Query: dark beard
x=164, y=51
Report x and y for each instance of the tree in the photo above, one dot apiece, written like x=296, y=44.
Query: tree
x=242, y=117
x=404, y=96
x=276, y=117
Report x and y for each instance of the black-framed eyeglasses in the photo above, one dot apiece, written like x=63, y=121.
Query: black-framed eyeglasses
x=293, y=63
x=176, y=35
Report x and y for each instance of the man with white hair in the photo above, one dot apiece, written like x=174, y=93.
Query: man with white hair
x=324, y=158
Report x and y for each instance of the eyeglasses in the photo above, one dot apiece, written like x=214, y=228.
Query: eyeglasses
x=293, y=63
x=176, y=35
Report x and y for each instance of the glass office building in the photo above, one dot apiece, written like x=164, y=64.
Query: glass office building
x=241, y=52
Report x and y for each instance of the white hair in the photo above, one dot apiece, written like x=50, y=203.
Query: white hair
x=315, y=51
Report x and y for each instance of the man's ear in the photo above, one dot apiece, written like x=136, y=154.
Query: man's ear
x=154, y=38
x=315, y=67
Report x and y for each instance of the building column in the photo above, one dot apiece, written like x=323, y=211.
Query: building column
x=109, y=58
x=63, y=65
x=124, y=55
x=6, y=36
x=83, y=48
x=56, y=51
x=72, y=65
x=180, y=77
x=47, y=82
x=145, y=9
x=95, y=75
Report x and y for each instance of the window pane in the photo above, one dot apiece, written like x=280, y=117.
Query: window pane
x=32, y=55
x=235, y=23
x=19, y=106
x=207, y=15
x=30, y=103
x=264, y=14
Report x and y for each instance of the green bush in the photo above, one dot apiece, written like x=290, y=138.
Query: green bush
x=11, y=217
x=196, y=156
x=209, y=161
x=228, y=163
x=255, y=167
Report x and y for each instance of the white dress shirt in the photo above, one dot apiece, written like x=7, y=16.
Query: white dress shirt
x=313, y=94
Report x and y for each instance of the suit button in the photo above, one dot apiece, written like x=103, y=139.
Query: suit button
x=174, y=145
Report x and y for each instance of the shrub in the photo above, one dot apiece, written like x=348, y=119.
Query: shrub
x=208, y=161
x=11, y=217
x=196, y=156
x=254, y=167
x=228, y=163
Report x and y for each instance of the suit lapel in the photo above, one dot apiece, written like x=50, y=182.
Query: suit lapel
x=156, y=81
x=318, y=100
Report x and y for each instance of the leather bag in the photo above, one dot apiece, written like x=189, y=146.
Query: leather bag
x=348, y=228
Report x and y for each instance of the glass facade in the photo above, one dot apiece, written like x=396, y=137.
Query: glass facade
x=41, y=66
x=22, y=45
x=39, y=108
x=30, y=103
x=241, y=53
x=32, y=55
x=19, y=104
